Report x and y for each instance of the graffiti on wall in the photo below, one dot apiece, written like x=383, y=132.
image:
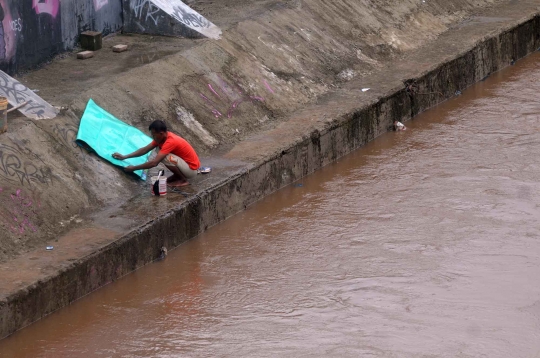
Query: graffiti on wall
x=223, y=99
x=98, y=4
x=10, y=25
x=145, y=10
x=17, y=93
x=46, y=7
x=16, y=170
x=21, y=212
x=189, y=17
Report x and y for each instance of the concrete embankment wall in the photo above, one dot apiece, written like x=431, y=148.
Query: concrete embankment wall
x=277, y=58
x=32, y=31
x=318, y=147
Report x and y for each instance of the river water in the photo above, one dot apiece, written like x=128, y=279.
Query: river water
x=424, y=243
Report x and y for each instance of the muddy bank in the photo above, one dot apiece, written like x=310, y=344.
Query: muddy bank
x=267, y=152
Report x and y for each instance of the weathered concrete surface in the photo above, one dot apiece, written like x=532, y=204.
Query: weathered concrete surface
x=294, y=112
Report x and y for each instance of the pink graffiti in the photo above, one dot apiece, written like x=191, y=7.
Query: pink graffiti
x=227, y=91
x=22, y=209
x=215, y=112
x=268, y=87
x=46, y=6
x=8, y=37
x=98, y=4
x=213, y=90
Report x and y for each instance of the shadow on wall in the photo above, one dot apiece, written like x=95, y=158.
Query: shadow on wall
x=32, y=31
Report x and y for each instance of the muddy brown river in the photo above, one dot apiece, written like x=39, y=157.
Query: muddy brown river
x=424, y=243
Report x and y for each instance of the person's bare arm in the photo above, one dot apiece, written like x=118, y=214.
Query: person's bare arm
x=139, y=152
x=149, y=164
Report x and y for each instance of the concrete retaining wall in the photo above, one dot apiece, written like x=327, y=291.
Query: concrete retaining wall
x=235, y=193
x=32, y=31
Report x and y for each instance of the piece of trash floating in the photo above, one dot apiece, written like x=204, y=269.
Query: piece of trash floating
x=458, y=92
x=399, y=126
x=49, y=248
x=205, y=170
x=163, y=253
x=365, y=89
x=298, y=185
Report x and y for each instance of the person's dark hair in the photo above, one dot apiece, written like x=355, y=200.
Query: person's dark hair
x=158, y=126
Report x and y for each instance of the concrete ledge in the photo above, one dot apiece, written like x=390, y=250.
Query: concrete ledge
x=325, y=144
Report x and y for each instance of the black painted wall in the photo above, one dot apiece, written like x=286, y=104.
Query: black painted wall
x=33, y=31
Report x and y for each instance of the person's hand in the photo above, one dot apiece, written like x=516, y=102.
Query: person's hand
x=129, y=169
x=118, y=156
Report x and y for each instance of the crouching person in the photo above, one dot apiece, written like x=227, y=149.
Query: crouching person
x=171, y=150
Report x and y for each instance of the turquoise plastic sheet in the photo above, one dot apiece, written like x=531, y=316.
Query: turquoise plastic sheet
x=106, y=134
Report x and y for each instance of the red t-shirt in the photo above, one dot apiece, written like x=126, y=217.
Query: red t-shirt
x=178, y=146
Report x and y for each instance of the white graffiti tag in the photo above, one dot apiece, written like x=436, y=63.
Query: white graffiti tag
x=138, y=7
x=189, y=17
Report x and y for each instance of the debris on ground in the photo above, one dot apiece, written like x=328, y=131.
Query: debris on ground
x=83, y=55
x=120, y=48
x=91, y=40
x=204, y=170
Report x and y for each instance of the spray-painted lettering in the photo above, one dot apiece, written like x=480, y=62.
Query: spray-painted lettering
x=21, y=211
x=223, y=96
x=16, y=25
x=138, y=7
x=21, y=172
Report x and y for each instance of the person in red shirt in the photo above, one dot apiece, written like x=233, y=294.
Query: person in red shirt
x=174, y=151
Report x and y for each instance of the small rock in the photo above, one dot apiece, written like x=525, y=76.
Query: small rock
x=85, y=55
x=120, y=48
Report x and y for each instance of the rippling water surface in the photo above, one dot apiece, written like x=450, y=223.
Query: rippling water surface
x=425, y=243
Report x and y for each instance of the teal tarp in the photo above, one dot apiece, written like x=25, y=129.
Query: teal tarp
x=106, y=134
